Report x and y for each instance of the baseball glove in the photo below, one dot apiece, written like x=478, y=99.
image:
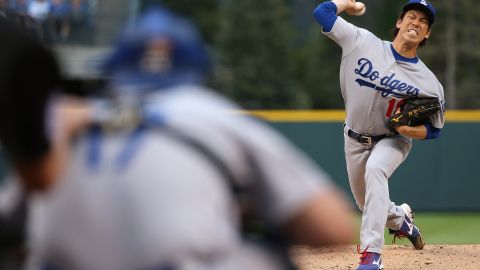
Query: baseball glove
x=414, y=112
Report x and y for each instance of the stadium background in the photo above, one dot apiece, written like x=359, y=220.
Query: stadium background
x=278, y=67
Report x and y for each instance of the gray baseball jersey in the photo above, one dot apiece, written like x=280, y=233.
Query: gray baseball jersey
x=374, y=79
x=169, y=204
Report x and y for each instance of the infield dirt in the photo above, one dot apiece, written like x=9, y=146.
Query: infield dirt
x=395, y=257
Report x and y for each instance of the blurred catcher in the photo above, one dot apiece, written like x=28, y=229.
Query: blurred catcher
x=165, y=175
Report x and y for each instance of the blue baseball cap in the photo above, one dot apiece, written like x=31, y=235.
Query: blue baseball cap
x=423, y=6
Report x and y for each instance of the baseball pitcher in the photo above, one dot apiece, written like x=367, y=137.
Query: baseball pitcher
x=390, y=97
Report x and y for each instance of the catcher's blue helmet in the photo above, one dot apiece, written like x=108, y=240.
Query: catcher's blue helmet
x=187, y=59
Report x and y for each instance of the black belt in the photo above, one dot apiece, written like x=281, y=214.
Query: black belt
x=365, y=139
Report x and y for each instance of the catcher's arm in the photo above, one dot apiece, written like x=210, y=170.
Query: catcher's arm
x=69, y=116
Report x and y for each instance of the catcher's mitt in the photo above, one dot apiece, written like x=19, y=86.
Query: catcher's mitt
x=414, y=112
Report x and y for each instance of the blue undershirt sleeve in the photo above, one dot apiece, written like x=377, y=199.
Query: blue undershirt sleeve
x=432, y=132
x=326, y=15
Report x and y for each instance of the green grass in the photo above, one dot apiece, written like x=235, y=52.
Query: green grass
x=445, y=228
x=449, y=228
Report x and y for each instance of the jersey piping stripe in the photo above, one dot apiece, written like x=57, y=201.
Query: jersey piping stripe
x=339, y=115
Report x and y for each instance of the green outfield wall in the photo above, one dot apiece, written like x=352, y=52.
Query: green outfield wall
x=438, y=175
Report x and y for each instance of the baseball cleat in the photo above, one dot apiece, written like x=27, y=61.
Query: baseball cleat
x=370, y=261
x=409, y=229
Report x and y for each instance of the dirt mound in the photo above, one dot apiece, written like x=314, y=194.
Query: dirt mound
x=395, y=257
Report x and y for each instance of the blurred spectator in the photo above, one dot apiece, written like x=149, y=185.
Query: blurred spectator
x=165, y=175
x=4, y=7
x=57, y=20
x=80, y=21
x=39, y=9
x=80, y=10
x=60, y=20
x=16, y=12
x=20, y=6
x=18, y=16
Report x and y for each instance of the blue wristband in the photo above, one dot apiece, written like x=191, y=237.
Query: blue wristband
x=432, y=132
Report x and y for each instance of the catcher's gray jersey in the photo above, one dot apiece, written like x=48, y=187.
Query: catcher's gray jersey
x=373, y=81
x=169, y=204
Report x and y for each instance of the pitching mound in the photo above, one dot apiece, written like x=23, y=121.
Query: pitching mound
x=395, y=257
